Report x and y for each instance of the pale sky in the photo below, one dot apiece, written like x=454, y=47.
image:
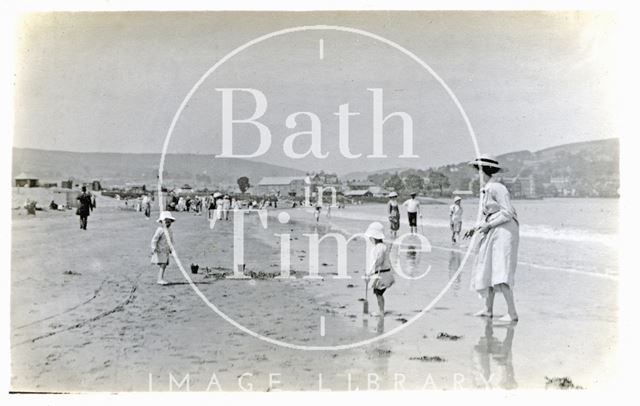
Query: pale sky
x=111, y=82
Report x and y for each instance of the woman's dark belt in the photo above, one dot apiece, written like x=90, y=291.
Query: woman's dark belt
x=383, y=270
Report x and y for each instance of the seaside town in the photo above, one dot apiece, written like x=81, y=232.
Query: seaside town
x=581, y=174
x=389, y=200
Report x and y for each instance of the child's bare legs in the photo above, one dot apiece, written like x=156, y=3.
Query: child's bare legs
x=488, y=304
x=161, y=280
x=380, y=299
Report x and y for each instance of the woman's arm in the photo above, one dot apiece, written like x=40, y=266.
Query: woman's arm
x=506, y=212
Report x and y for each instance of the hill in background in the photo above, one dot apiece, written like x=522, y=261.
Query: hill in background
x=116, y=169
x=580, y=169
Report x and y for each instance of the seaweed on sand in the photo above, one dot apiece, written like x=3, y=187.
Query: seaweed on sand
x=560, y=383
x=428, y=358
x=447, y=336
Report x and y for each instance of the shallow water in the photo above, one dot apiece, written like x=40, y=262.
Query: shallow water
x=549, y=229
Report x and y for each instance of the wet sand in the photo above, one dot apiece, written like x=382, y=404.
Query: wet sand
x=87, y=315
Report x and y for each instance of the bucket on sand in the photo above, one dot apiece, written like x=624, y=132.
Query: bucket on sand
x=194, y=268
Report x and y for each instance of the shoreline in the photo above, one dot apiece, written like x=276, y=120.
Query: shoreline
x=164, y=330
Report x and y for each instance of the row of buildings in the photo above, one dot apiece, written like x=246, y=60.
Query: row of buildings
x=25, y=180
x=296, y=186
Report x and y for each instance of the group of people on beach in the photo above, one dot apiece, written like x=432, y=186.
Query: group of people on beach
x=496, y=237
x=497, y=241
x=413, y=212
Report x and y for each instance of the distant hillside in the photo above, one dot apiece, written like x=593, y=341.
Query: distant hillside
x=117, y=169
x=580, y=169
x=364, y=175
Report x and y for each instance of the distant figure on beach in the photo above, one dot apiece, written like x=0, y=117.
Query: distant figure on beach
x=182, y=204
x=211, y=206
x=85, y=207
x=218, y=206
x=495, y=264
x=317, y=212
x=146, y=205
x=53, y=205
x=226, y=206
x=455, y=218
x=394, y=214
x=160, y=248
x=413, y=210
x=379, y=273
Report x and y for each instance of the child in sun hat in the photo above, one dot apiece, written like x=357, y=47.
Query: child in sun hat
x=394, y=213
x=455, y=218
x=160, y=248
x=379, y=273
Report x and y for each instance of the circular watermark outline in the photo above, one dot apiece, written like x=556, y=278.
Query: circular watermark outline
x=188, y=97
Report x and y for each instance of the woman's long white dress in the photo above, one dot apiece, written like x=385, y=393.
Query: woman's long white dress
x=497, y=254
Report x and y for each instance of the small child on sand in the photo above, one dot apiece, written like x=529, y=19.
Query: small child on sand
x=379, y=273
x=160, y=248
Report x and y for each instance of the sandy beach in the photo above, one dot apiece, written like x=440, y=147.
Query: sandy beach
x=86, y=314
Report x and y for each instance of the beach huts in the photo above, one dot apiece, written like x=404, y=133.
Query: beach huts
x=24, y=180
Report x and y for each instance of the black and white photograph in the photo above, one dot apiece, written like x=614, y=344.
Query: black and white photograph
x=310, y=201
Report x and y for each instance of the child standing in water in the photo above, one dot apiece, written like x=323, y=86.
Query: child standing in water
x=379, y=272
x=160, y=248
x=394, y=214
x=455, y=219
x=317, y=212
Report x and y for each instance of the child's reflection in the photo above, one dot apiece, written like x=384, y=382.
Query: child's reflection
x=455, y=259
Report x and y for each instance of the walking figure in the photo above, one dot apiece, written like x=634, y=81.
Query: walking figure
x=86, y=206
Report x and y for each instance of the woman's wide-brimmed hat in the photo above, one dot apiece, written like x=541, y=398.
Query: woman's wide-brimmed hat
x=165, y=215
x=457, y=199
x=393, y=194
x=375, y=230
x=486, y=161
x=217, y=194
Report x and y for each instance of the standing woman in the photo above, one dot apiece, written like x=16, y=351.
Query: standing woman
x=160, y=248
x=394, y=214
x=495, y=265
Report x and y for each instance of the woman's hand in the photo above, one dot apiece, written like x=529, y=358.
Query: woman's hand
x=484, y=228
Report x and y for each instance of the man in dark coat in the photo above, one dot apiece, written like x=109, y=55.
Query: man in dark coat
x=85, y=207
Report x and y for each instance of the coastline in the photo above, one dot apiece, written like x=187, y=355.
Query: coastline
x=107, y=326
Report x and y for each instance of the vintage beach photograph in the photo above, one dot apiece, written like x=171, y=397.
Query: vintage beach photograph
x=231, y=201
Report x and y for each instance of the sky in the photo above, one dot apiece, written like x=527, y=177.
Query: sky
x=112, y=82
